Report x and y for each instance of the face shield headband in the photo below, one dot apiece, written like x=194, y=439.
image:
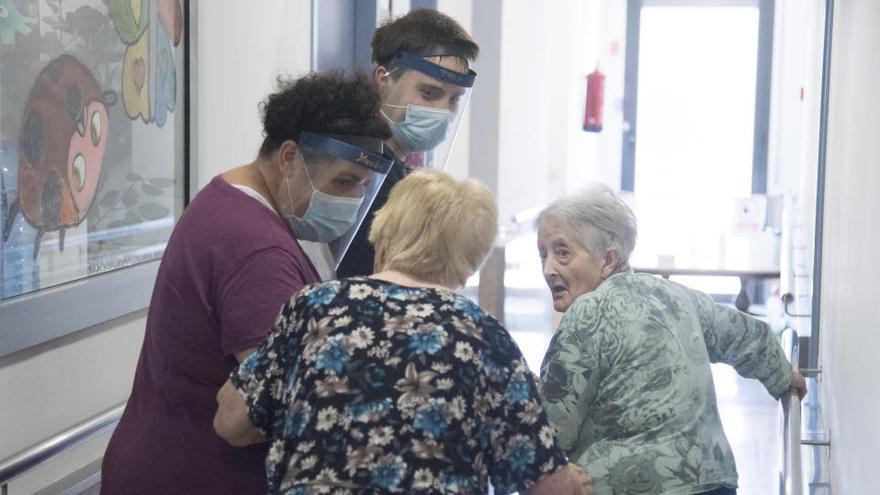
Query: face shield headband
x=364, y=151
x=417, y=62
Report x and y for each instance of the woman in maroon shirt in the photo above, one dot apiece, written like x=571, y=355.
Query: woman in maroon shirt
x=231, y=263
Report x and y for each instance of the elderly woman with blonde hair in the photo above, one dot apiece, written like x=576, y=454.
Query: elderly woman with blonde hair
x=626, y=378
x=395, y=383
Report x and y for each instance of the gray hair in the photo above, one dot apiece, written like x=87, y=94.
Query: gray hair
x=597, y=219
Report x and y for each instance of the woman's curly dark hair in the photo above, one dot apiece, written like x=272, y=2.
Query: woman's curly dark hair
x=324, y=102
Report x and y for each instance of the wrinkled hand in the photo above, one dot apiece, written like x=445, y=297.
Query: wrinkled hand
x=798, y=384
x=570, y=480
x=583, y=481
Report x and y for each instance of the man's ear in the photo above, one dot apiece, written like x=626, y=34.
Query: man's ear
x=382, y=78
x=609, y=264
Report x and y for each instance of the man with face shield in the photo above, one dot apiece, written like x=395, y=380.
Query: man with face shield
x=424, y=78
x=423, y=94
x=231, y=263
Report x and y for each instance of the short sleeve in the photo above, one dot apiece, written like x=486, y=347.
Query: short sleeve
x=250, y=297
x=262, y=378
x=524, y=446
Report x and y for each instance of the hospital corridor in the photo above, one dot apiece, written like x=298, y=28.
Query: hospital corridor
x=567, y=247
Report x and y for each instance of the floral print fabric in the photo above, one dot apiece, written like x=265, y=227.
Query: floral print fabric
x=365, y=386
x=627, y=382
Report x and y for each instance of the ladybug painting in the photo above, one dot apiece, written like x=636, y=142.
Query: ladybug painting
x=61, y=148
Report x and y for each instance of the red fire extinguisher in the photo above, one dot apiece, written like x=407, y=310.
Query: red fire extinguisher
x=593, y=111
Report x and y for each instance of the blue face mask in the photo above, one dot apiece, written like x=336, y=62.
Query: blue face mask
x=326, y=218
x=423, y=128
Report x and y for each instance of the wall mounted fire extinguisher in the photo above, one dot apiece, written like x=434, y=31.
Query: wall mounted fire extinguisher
x=595, y=92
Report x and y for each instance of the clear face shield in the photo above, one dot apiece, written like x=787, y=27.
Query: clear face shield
x=342, y=175
x=423, y=99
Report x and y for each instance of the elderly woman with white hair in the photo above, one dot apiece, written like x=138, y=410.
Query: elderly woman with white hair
x=394, y=383
x=626, y=379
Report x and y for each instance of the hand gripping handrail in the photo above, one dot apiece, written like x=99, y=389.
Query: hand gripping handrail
x=792, y=482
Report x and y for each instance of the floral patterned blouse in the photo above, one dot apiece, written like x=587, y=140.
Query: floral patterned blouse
x=365, y=386
x=627, y=382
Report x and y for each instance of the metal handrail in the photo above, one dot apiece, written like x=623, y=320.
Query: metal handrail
x=22, y=461
x=791, y=425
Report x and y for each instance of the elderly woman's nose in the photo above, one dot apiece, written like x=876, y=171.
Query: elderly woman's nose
x=548, y=267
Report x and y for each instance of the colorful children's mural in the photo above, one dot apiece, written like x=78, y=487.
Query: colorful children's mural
x=91, y=137
x=61, y=149
x=149, y=78
x=12, y=22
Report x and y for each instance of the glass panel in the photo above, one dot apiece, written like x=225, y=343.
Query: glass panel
x=696, y=115
x=91, y=133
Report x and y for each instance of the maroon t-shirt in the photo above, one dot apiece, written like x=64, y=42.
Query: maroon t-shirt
x=229, y=267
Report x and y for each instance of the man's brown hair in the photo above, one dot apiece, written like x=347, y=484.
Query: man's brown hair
x=425, y=32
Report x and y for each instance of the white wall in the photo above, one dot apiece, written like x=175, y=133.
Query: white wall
x=850, y=340
x=53, y=386
x=533, y=80
x=794, y=119
x=545, y=55
x=522, y=132
x=241, y=52
x=610, y=24
x=792, y=154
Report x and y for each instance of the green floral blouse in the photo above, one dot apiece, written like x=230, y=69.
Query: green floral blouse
x=627, y=382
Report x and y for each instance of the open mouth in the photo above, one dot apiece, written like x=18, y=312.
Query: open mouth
x=558, y=290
